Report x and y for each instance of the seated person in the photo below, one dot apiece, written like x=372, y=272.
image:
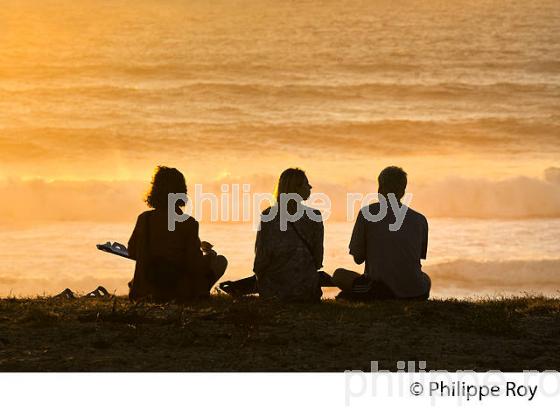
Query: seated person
x=170, y=265
x=287, y=260
x=392, y=258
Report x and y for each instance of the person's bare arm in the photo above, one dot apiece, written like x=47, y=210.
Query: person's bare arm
x=193, y=244
x=262, y=257
x=358, y=247
x=133, y=241
x=425, y=241
x=319, y=247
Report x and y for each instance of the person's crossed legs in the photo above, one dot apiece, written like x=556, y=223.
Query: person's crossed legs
x=216, y=267
x=249, y=285
x=356, y=286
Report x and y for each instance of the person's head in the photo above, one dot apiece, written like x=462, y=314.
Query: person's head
x=293, y=181
x=164, y=182
x=392, y=180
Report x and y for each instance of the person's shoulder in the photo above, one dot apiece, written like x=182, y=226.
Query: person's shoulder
x=267, y=211
x=312, y=212
x=191, y=220
x=189, y=223
x=371, y=209
x=144, y=215
x=269, y=215
x=417, y=216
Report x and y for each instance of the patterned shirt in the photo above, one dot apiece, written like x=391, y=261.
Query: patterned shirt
x=286, y=261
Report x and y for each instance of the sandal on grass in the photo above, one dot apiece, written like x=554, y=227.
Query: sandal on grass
x=100, y=293
x=66, y=294
x=229, y=288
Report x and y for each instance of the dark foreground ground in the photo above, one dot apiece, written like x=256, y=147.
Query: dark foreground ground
x=250, y=335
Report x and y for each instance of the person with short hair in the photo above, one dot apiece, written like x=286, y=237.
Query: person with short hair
x=170, y=265
x=393, y=268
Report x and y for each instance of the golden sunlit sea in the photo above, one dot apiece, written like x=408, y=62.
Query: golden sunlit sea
x=464, y=94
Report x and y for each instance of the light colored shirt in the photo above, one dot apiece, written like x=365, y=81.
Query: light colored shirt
x=392, y=257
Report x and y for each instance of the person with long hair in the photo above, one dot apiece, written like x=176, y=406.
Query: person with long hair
x=289, y=247
x=170, y=265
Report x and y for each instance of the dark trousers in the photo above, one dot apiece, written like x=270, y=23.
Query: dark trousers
x=363, y=289
x=248, y=286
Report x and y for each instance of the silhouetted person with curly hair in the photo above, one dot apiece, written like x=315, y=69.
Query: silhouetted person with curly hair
x=170, y=265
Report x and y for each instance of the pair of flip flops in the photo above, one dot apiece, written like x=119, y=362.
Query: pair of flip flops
x=229, y=288
x=99, y=293
x=236, y=289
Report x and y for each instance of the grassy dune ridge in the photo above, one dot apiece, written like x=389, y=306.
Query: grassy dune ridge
x=248, y=334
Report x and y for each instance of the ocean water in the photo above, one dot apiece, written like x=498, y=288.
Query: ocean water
x=467, y=258
x=113, y=86
x=94, y=93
